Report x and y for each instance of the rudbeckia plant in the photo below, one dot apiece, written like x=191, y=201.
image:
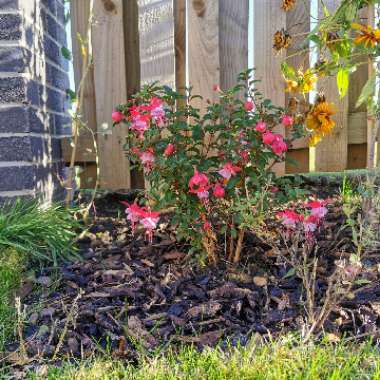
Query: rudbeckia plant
x=212, y=169
x=343, y=40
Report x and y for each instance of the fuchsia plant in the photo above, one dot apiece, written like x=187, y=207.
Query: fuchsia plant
x=212, y=168
x=307, y=220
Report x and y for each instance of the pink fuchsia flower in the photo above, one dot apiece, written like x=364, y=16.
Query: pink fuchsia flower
x=317, y=208
x=279, y=145
x=157, y=111
x=198, y=180
x=216, y=88
x=290, y=218
x=219, y=191
x=140, y=124
x=134, y=213
x=310, y=224
x=117, y=116
x=169, y=150
x=228, y=170
x=249, y=105
x=206, y=226
x=147, y=159
x=261, y=126
x=202, y=193
x=268, y=137
x=149, y=222
x=198, y=184
x=287, y=120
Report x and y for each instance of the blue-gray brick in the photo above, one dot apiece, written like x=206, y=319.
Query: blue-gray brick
x=62, y=125
x=55, y=100
x=12, y=90
x=17, y=178
x=50, y=5
x=60, y=12
x=57, y=78
x=14, y=59
x=15, y=149
x=9, y=4
x=20, y=119
x=10, y=27
x=49, y=24
x=23, y=148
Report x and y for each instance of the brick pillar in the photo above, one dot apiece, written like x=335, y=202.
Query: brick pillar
x=33, y=101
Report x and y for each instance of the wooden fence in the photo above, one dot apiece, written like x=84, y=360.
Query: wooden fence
x=201, y=43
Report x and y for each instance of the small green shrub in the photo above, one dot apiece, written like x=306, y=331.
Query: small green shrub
x=213, y=169
x=44, y=235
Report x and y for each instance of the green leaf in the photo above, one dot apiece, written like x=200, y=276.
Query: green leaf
x=71, y=94
x=290, y=273
x=342, y=81
x=66, y=53
x=367, y=91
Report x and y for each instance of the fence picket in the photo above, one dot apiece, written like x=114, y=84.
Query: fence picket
x=111, y=89
x=268, y=18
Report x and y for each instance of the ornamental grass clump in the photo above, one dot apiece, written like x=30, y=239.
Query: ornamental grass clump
x=41, y=235
x=212, y=168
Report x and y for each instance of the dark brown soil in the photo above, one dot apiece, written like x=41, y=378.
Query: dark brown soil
x=126, y=295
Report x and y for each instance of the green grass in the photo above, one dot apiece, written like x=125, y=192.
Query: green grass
x=11, y=268
x=44, y=235
x=279, y=360
x=29, y=235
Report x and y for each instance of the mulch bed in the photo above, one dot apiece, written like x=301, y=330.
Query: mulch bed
x=127, y=296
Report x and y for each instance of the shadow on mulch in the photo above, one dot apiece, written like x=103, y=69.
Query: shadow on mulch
x=127, y=295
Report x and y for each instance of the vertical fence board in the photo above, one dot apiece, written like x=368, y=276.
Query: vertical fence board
x=203, y=61
x=357, y=117
x=110, y=86
x=80, y=12
x=268, y=18
x=132, y=60
x=233, y=40
x=156, y=27
x=331, y=152
x=298, y=24
x=370, y=123
x=180, y=44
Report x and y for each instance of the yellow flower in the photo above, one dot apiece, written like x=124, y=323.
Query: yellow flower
x=287, y=5
x=319, y=120
x=366, y=35
x=308, y=80
x=303, y=82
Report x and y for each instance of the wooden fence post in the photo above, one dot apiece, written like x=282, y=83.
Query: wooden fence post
x=80, y=12
x=156, y=28
x=268, y=18
x=298, y=24
x=331, y=152
x=218, y=44
x=180, y=44
x=111, y=90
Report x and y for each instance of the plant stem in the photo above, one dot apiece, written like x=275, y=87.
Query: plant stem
x=239, y=246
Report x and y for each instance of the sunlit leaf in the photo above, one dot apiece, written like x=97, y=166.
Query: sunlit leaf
x=342, y=80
